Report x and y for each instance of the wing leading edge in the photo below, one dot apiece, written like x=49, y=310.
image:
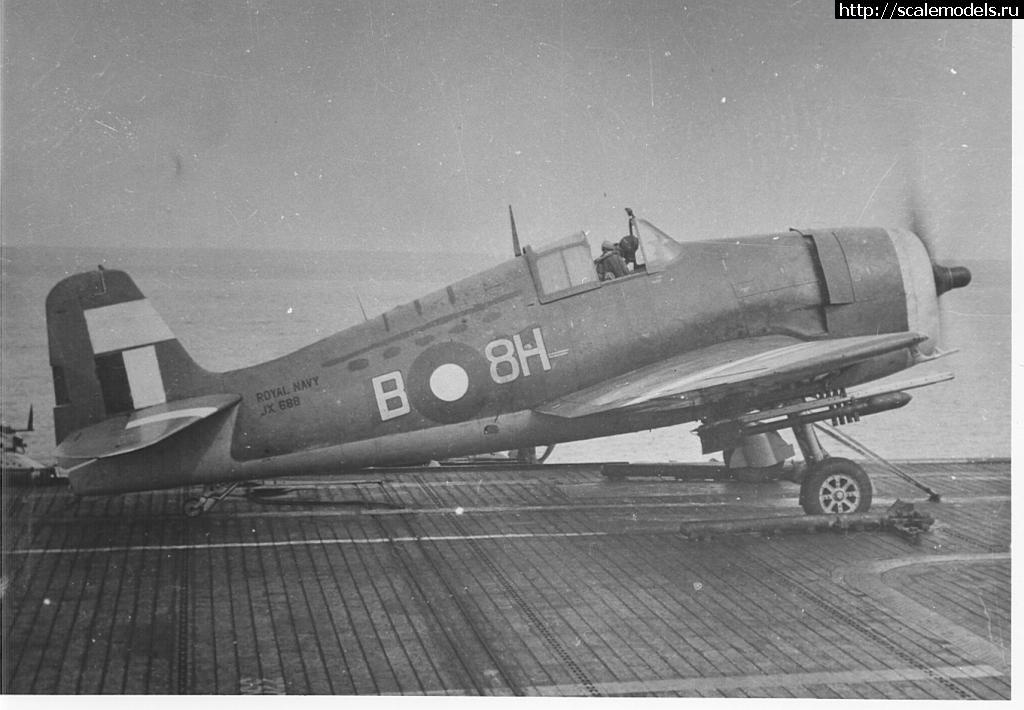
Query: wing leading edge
x=696, y=377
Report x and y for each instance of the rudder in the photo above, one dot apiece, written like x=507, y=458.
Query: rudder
x=111, y=352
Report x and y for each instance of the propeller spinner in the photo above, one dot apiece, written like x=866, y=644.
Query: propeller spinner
x=949, y=277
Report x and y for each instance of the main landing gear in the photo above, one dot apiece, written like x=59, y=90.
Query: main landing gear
x=829, y=485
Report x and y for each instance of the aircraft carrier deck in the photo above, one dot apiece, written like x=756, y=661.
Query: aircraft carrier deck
x=547, y=581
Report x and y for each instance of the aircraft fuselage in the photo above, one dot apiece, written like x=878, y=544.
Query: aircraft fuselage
x=476, y=357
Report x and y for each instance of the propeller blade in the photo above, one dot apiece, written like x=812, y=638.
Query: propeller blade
x=921, y=223
x=917, y=213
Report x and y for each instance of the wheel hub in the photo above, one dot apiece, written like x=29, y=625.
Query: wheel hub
x=839, y=494
x=835, y=486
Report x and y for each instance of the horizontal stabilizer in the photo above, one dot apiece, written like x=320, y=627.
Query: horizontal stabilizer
x=126, y=433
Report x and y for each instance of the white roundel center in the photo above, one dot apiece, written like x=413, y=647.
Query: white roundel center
x=449, y=382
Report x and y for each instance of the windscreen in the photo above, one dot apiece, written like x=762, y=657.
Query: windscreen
x=658, y=248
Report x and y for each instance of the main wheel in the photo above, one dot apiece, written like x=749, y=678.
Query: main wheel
x=835, y=486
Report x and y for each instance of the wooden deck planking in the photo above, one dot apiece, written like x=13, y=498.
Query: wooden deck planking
x=548, y=584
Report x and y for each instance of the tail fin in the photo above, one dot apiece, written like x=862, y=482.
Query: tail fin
x=111, y=352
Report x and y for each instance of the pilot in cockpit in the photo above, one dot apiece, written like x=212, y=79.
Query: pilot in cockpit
x=610, y=265
x=628, y=246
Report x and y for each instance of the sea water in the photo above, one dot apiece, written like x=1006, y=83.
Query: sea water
x=233, y=308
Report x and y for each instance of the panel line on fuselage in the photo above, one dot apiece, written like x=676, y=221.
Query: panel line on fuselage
x=431, y=324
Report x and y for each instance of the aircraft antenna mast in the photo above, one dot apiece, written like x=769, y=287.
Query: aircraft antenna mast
x=515, y=235
x=362, y=310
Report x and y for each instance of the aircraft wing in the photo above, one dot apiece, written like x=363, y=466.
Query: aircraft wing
x=706, y=374
x=125, y=433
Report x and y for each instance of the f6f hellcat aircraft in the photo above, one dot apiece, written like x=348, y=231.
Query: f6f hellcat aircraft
x=747, y=336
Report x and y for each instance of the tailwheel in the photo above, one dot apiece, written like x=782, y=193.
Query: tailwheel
x=197, y=505
x=835, y=486
x=193, y=507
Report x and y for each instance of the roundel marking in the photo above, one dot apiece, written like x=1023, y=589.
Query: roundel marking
x=449, y=382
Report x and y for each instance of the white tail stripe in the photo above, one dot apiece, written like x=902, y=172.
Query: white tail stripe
x=144, y=377
x=125, y=325
x=194, y=412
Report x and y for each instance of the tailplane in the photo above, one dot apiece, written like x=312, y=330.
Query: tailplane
x=111, y=352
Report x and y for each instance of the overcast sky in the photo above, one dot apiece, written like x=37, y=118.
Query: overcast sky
x=355, y=125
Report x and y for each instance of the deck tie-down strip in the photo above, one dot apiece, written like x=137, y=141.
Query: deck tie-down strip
x=300, y=543
x=772, y=680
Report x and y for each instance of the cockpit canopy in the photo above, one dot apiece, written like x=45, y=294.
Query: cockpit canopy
x=567, y=266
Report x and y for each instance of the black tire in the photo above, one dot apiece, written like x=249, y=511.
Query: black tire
x=835, y=486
